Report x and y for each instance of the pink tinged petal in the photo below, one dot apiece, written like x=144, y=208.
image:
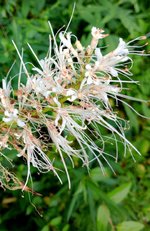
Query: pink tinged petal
x=6, y=87
x=54, y=89
x=97, y=33
x=79, y=45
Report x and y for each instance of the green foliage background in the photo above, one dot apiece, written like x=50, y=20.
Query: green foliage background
x=95, y=202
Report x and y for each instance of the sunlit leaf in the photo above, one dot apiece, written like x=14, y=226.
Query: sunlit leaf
x=130, y=226
x=120, y=193
x=103, y=218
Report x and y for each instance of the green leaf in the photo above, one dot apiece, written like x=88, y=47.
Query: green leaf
x=80, y=189
x=103, y=217
x=119, y=193
x=126, y=18
x=97, y=175
x=25, y=8
x=29, y=210
x=45, y=228
x=66, y=228
x=91, y=203
x=56, y=221
x=130, y=226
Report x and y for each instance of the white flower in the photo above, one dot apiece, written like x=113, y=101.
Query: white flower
x=5, y=94
x=40, y=85
x=6, y=88
x=66, y=41
x=68, y=98
x=111, y=62
x=72, y=93
x=121, y=50
x=112, y=71
x=13, y=117
x=98, y=54
x=97, y=33
x=3, y=141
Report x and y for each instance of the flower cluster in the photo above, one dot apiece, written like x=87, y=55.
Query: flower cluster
x=66, y=100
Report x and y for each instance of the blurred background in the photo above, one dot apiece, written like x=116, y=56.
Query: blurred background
x=95, y=202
